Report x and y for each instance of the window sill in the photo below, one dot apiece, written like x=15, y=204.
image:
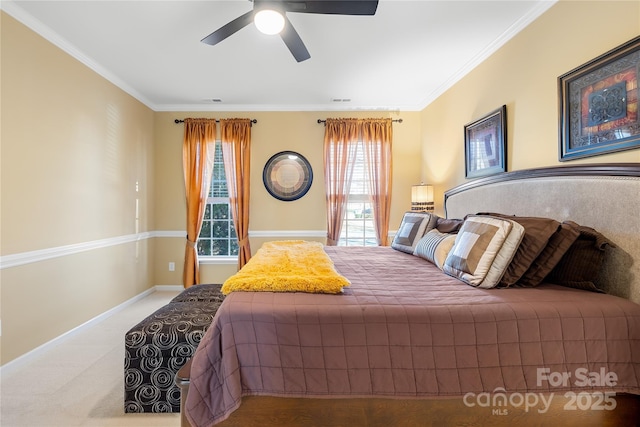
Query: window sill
x=218, y=260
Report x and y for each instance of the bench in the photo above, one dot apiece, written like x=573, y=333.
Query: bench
x=159, y=345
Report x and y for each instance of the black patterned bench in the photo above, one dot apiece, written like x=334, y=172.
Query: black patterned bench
x=158, y=346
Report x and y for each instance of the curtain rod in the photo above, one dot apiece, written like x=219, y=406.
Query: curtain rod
x=254, y=121
x=394, y=120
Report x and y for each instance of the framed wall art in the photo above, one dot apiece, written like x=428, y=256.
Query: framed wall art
x=485, y=144
x=598, y=104
x=287, y=176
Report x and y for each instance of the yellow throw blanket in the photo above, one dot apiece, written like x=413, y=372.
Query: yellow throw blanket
x=288, y=266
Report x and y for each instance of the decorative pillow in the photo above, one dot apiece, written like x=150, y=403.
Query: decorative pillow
x=447, y=225
x=505, y=256
x=435, y=247
x=411, y=230
x=580, y=265
x=483, y=249
x=537, y=232
x=557, y=246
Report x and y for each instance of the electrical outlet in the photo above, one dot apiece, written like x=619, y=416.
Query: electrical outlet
x=172, y=266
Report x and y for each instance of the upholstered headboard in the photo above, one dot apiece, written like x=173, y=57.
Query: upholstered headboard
x=603, y=196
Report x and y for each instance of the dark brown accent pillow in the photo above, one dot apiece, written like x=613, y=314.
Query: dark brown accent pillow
x=448, y=226
x=537, y=232
x=558, y=245
x=580, y=265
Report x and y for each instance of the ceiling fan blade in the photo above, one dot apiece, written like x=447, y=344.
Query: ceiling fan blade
x=293, y=41
x=332, y=7
x=229, y=29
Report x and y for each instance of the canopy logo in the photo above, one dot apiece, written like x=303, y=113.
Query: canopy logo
x=499, y=400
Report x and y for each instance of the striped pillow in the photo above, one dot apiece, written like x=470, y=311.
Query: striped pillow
x=435, y=247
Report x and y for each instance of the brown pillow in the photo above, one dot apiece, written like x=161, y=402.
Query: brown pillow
x=580, y=265
x=537, y=232
x=558, y=245
x=448, y=226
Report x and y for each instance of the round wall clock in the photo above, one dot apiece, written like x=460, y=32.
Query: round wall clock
x=287, y=176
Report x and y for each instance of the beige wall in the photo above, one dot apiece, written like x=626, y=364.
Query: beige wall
x=1, y=227
x=73, y=148
x=274, y=132
x=523, y=75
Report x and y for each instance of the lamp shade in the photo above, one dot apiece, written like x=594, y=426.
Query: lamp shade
x=422, y=198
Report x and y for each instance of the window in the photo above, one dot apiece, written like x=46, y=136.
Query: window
x=218, y=235
x=358, y=228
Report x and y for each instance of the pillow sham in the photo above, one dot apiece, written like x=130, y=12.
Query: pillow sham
x=580, y=265
x=483, y=249
x=411, y=230
x=435, y=247
x=558, y=245
x=505, y=256
x=537, y=232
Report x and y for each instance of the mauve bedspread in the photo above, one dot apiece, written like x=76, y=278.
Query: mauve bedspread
x=403, y=329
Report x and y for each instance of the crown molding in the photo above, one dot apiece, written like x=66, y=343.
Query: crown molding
x=13, y=9
x=539, y=8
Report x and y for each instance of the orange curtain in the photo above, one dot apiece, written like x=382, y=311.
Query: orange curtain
x=197, y=161
x=340, y=145
x=235, y=135
x=377, y=135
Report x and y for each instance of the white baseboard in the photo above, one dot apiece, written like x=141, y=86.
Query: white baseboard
x=169, y=288
x=27, y=357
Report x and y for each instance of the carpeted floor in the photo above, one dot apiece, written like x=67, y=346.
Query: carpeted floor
x=79, y=380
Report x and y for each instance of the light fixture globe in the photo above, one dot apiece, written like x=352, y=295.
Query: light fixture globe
x=269, y=21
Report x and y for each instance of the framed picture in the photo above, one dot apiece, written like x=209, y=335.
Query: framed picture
x=485, y=144
x=287, y=176
x=599, y=104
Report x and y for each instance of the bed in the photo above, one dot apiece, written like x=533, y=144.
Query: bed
x=406, y=344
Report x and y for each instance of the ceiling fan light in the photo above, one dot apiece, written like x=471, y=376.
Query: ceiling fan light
x=269, y=21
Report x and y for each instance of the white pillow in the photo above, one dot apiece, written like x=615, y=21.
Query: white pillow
x=504, y=257
x=483, y=249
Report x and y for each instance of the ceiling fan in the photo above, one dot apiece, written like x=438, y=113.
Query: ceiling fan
x=279, y=9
